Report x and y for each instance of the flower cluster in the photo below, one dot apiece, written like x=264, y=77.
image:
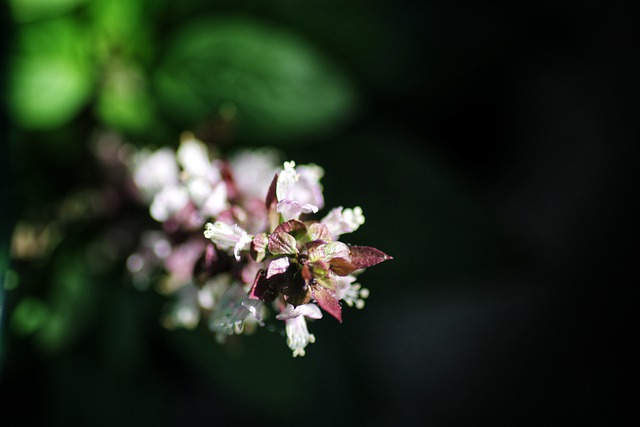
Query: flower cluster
x=238, y=241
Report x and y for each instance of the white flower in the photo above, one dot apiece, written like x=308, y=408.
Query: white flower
x=290, y=209
x=298, y=336
x=341, y=221
x=299, y=191
x=286, y=179
x=216, y=201
x=349, y=292
x=228, y=236
x=153, y=171
x=255, y=307
x=169, y=201
x=193, y=156
x=253, y=172
x=232, y=310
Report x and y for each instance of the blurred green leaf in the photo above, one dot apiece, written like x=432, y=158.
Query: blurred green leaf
x=51, y=77
x=282, y=86
x=124, y=102
x=29, y=316
x=30, y=10
x=118, y=18
x=121, y=28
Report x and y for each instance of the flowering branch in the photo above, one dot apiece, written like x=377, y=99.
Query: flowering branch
x=262, y=252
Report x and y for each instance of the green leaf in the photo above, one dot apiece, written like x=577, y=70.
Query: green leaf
x=30, y=10
x=282, y=87
x=123, y=28
x=336, y=249
x=51, y=77
x=124, y=103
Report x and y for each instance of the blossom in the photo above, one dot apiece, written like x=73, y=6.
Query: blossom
x=252, y=172
x=193, y=156
x=342, y=221
x=232, y=311
x=228, y=236
x=200, y=177
x=299, y=191
x=298, y=336
x=155, y=171
x=350, y=292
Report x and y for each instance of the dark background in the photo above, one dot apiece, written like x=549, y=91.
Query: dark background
x=492, y=156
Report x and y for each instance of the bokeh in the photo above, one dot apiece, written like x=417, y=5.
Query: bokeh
x=488, y=143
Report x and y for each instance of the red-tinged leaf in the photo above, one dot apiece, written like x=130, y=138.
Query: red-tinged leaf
x=341, y=266
x=271, y=201
x=281, y=243
x=294, y=227
x=259, y=247
x=319, y=231
x=366, y=256
x=327, y=301
x=261, y=289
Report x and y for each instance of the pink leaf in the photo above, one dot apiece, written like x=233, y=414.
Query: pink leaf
x=293, y=226
x=366, y=256
x=281, y=243
x=327, y=301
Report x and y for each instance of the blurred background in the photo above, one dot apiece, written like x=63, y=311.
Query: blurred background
x=488, y=143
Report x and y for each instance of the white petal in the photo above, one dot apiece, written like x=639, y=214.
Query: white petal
x=152, y=171
x=298, y=336
x=194, y=156
x=216, y=202
x=168, y=202
x=341, y=221
x=311, y=311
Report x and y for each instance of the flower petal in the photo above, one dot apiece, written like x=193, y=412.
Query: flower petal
x=309, y=310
